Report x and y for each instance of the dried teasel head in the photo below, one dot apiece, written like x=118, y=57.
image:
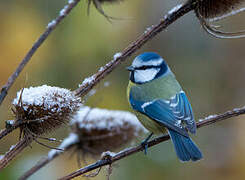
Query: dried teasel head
x=218, y=9
x=213, y=10
x=98, y=6
x=101, y=130
x=43, y=109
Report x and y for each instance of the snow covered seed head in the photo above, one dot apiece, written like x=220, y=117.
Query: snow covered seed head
x=44, y=108
x=101, y=130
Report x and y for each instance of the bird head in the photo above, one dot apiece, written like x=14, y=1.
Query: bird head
x=147, y=67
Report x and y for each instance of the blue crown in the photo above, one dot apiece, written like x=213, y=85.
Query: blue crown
x=148, y=56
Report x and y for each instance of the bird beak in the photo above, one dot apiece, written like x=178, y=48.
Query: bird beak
x=130, y=68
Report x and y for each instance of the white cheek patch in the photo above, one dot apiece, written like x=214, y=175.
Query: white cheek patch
x=142, y=76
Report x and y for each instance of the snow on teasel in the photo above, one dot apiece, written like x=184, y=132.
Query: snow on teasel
x=101, y=130
x=44, y=108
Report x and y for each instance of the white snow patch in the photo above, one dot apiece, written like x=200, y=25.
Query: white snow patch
x=12, y=147
x=49, y=97
x=70, y=1
x=95, y=118
x=209, y=117
x=107, y=153
x=87, y=80
x=52, y=23
x=117, y=55
x=70, y=140
x=148, y=29
x=63, y=11
x=237, y=109
x=102, y=68
x=176, y=8
x=10, y=122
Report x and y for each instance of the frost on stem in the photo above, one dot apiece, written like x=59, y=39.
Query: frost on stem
x=44, y=108
x=117, y=55
x=101, y=130
x=209, y=117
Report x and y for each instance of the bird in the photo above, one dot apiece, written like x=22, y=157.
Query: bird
x=161, y=104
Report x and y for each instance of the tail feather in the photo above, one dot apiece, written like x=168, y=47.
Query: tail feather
x=185, y=148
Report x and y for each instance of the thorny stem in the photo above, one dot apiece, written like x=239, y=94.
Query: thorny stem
x=168, y=19
x=129, y=151
x=67, y=9
x=13, y=152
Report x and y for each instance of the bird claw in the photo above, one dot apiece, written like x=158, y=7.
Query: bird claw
x=145, y=146
x=144, y=143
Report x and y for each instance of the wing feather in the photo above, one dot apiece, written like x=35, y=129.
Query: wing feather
x=175, y=114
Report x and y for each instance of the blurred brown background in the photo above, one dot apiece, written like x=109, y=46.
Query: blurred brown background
x=212, y=72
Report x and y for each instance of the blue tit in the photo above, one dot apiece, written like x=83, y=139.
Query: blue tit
x=161, y=104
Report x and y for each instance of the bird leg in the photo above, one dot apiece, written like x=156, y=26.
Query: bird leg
x=145, y=143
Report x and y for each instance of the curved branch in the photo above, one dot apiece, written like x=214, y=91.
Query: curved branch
x=129, y=151
x=42, y=163
x=38, y=166
x=89, y=83
x=51, y=26
x=151, y=32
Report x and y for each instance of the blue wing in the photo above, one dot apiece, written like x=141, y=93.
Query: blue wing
x=175, y=114
x=182, y=110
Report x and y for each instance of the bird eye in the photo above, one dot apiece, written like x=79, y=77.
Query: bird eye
x=146, y=67
x=143, y=67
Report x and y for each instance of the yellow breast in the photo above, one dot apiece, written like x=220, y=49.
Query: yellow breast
x=148, y=123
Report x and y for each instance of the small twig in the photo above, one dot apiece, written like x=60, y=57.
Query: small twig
x=151, y=32
x=8, y=130
x=51, y=26
x=42, y=163
x=39, y=165
x=129, y=151
x=13, y=152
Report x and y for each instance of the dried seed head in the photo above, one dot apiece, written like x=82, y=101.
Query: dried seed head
x=213, y=10
x=102, y=130
x=218, y=9
x=44, y=108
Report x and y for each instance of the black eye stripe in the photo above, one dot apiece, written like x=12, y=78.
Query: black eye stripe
x=146, y=67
